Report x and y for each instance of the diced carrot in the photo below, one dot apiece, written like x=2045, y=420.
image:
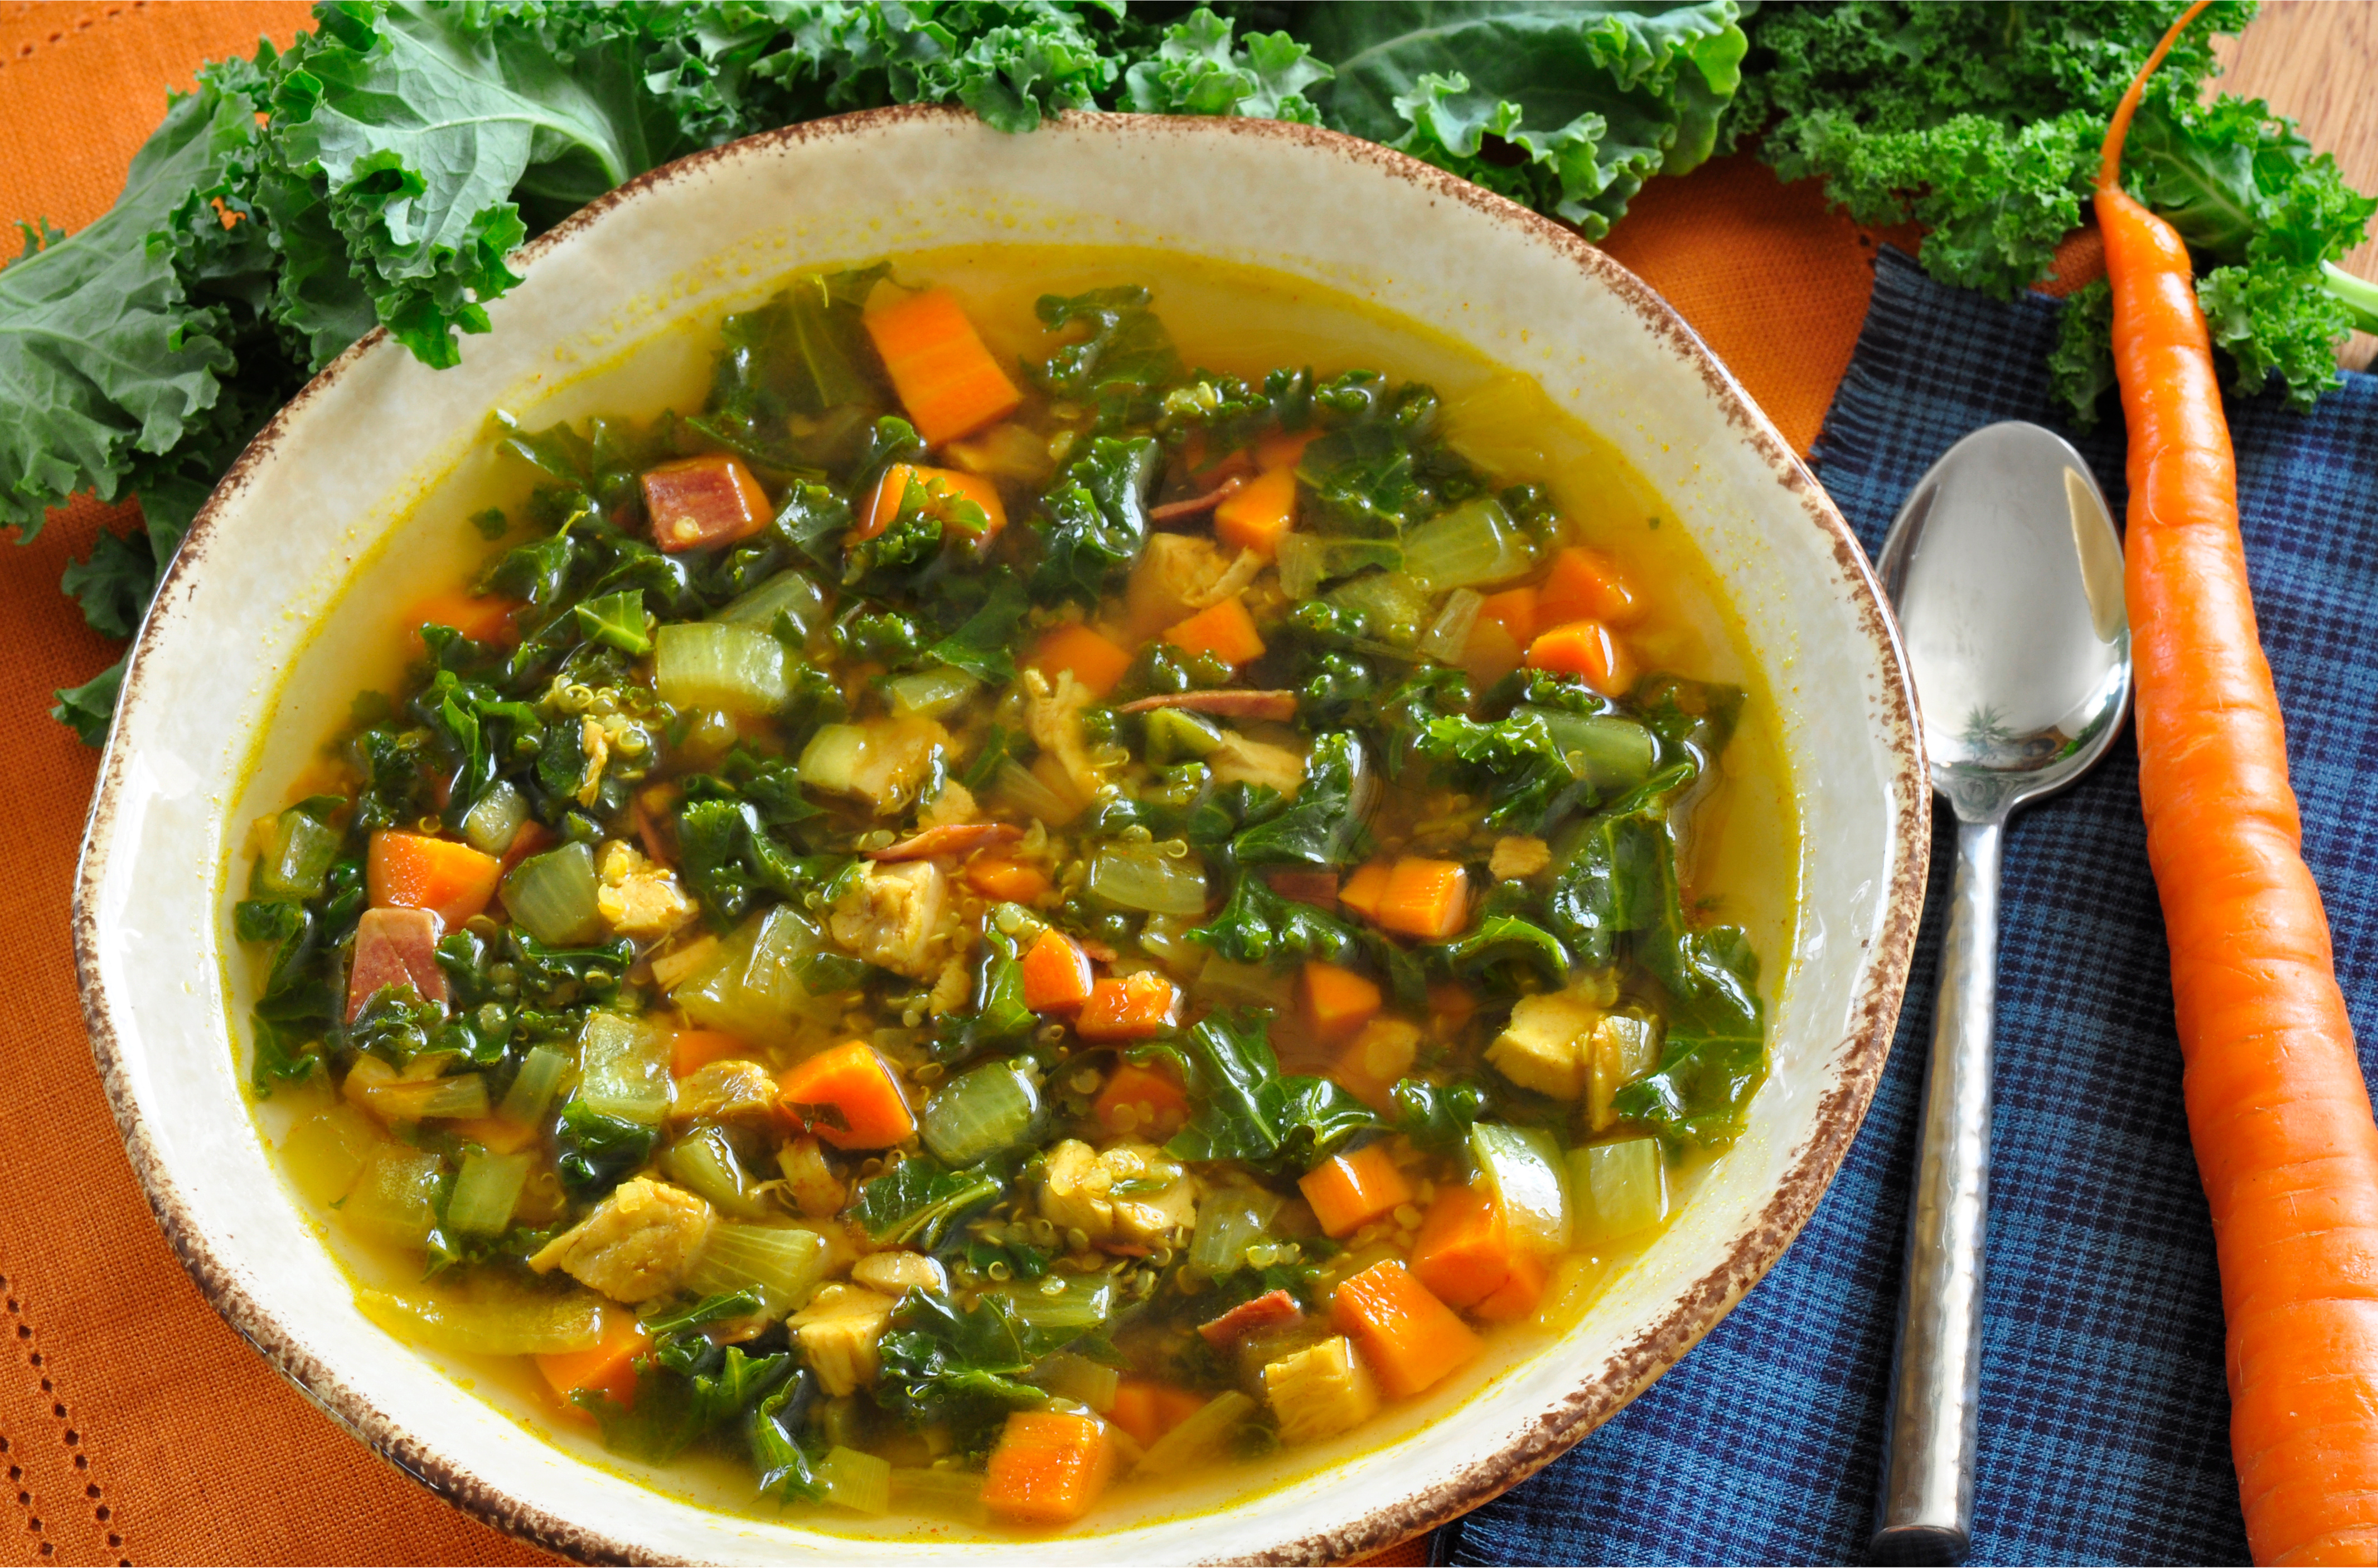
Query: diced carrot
x=1336, y=1001
x=1586, y=585
x=494, y=1134
x=482, y=617
x=1582, y=647
x=946, y=379
x=1142, y=1100
x=1451, y=1001
x=607, y=1367
x=1049, y=1466
x=690, y=1050
x=1097, y=662
x=1491, y=654
x=849, y=1098
x=1519, y=1295
x=1056, y=973
x=1361, y=891
x=1424, y=898
x=1130, y=1007
x=1284, y=449
x=414, y=871
x=1463, y=1253
x=1260, y=513
x=1347, y=1192
x=1514, y=610
x=1146, y=1409
x=711, y=499
x=995, y=876
x=1224, y=629
x=1411, y=1339
x=1375, y=1059
x=892, y=492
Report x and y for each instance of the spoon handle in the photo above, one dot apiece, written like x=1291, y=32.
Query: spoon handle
x=1925, y=1512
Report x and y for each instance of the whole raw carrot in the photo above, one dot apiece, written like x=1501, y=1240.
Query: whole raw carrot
x=2277, y=1109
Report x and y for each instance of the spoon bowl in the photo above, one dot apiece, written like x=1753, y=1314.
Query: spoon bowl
x=2006, y=573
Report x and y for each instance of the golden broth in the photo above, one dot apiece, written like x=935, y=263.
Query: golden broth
x=1744, y=850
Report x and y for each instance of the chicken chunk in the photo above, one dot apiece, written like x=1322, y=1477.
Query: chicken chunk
x=637, y=898
x=1052, y=714
x=1241, y=760
x=1078, y=1192
x=892, y=915
x=1516, y=856
x=1321, y=1392
x=637, y=1244
x=955, y=804
x=884, y=761
x=838, y=1333
x=1180, y=574
x=899, y=1271
x=1621, y=1050
x=1542, y=1047
x=725, y=1091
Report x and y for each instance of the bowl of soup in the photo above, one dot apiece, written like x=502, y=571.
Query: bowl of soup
x=1168, y=839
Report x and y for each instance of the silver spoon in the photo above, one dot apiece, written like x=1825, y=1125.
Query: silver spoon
x=2007, y=576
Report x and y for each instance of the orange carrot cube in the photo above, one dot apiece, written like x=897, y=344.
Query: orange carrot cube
x=690, y=1050
x=1224, y=629
x=1347, y=1192
x=1146, y=1100
x=1424, y=898
x=482, y=617
x=891, y=492
x=711, y=499
x=1336, y=1001
x=995, y=876
x=1130, y=1007
x=946, y=379
x=606, y=1367
x=1583, y=648
x=1520, y=1292
x=1463, y=1253
x=1147, y=1409
x=1514, y=610
x=1363, y=891
x=414, y=871
x=1056, y=973
x=1049, y=1466
x=848, y=1096
x=1411, y=1339
x=1263, y=510
x=1283, y=449
x=1586, y=585
x=1094, y=661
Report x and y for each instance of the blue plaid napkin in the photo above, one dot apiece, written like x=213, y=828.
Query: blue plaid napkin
x=2105, y=1418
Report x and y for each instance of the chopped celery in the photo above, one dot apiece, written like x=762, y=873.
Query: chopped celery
x=758, y=984
x=1081, y=1304
x=552, y=895
x=725, y=666
x=861, y=1482
x=714, y=997
x=1206, y=1435
x=1176, y=733
x=703, y=1162
x=1396, y=605
x=950, y=1492
x=832, y=760
x=297, y=862
x=530, y=1099
x=929, y=694
x=395, y=1199
x=1308, y=561
x=1622, y=1188
x=781, y=1261
x=1612, y=754
x=492, y=1317
x=1244, y=985
x=1448, y=635
x=981, y=1112
x=1229, y=1222
x=1473, y=545
x=1522, y=1166
x=411, y=1099
x=1020, y=787
x=789, y=593
x=486, y=1191
x=1078, y=1378
x=623, y=1068
x=1141, y=876
x=494, y=821
x=326, y=1153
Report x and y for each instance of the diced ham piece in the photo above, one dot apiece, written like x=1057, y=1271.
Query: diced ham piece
x=396, y=947
x=705, y=501
x=950, y=838
x=1317, y=888
x=1278, y=706
x=1269, y=1310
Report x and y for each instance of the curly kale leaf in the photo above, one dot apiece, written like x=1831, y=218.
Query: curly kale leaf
x=1195, y=70
x=965, y=1366
x=1123, y=358
x=1097, y=518
x=1257, y=926
x=1323, y=826
x=1596, y=97
x=919, y=1201
x=2081, y=365
x=1248, y=1111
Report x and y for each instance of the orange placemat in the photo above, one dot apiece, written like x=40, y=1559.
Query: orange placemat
x=134, y=1424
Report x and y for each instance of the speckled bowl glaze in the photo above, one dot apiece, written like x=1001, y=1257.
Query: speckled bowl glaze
x=334, y=474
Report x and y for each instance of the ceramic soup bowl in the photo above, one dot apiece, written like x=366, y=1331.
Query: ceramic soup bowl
x=243, y=667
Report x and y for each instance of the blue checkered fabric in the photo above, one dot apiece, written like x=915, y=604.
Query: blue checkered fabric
x=2104, y=1413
